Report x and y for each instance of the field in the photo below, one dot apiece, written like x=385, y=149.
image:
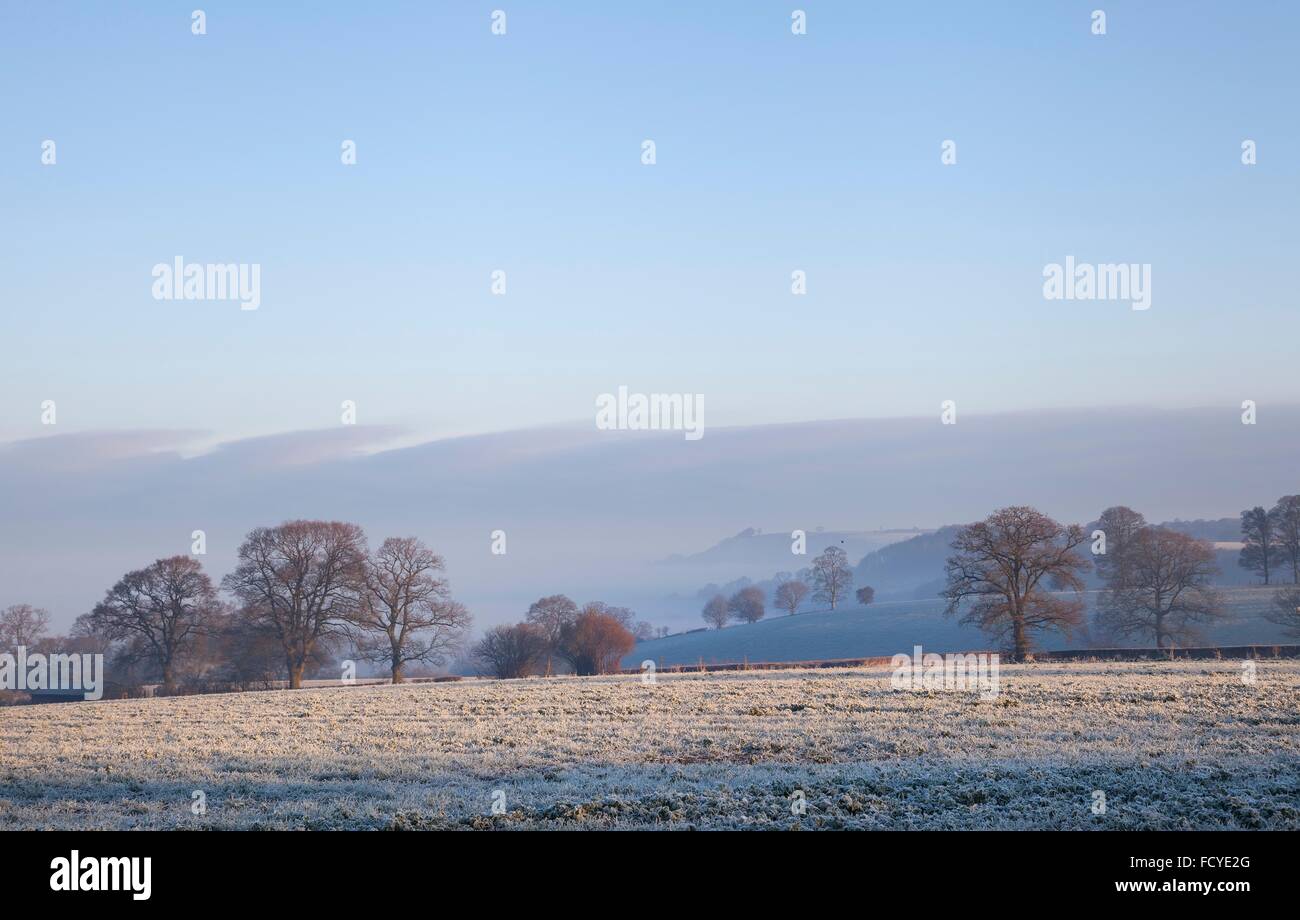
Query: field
x=1170, y=744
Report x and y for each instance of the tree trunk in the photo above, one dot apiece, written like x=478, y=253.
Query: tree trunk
x=1021, y=646
x=295, y=674
x=397, y=671
x=168, y=680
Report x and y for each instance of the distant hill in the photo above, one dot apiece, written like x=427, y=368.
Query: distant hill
x=891, y=628
x=754, y=554
x=909, y=568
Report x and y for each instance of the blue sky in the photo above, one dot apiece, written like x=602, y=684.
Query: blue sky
x=521, y=152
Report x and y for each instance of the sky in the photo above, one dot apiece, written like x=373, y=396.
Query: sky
x=521, y=152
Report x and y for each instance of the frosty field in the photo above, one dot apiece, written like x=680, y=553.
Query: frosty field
x=1171, y=744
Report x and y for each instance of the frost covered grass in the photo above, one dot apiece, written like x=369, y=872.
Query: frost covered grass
x=1171, y=744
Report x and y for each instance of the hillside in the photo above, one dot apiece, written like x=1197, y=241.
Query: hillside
x=892, y=627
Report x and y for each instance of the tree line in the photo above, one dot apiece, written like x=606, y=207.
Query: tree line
x=299, y=592
x=828, y=580
x=1011, y=575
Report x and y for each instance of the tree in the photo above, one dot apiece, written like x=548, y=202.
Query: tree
x=595, y=643
x=1004, y=566
x=249, y=655
x=1121, y=525
x=865, y=595
x=715, y=612
x=406, y=611
x=512, y=651
x=790, y=593
x=831, y=576
x=23, y=624
x=1287, y=515
x=747, y=604
x=644, y=631
x=550, y=615
x=302, y=581
x=1259, y=533
x=1286, y=611
x=163, y=609
x=1165, y=590
x=625, y=615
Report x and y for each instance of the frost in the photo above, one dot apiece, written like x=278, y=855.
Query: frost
x=1172, y=745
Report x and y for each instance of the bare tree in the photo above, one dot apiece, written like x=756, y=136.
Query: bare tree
x=164, y=608
x=1121, y=525
x=747, y=604
x=790, y=593
x=595, y=643
x=644, y=631
x=1287, y=515
x=512, y=650
x=23, y=624
x=831, y=576
x=302, y=581
x=715, y=612
x=625, y=615
x=1005, y=564
x=1286, y=611
x=551, y=614
x=406, y=612
x=865, y=595
x=1165, y=589
x=1259, y=533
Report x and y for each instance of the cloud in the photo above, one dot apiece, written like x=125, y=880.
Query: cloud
x=589, y=511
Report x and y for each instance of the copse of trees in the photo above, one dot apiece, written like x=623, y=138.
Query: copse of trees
x=590, y=640
x=1005, y=569
x=865, y=595
x=303, y=591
